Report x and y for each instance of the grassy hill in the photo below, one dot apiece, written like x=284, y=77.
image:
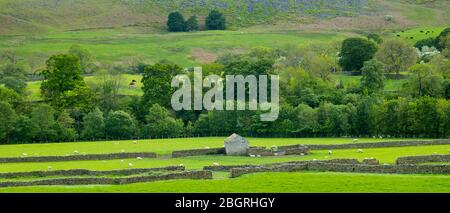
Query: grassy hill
x=19, y=17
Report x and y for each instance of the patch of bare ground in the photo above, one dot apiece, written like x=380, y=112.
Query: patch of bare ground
x=203, y=56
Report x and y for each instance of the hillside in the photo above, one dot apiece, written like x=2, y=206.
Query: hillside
x=20, y=17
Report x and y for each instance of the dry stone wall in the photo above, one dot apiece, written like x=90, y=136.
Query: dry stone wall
x=79, y=157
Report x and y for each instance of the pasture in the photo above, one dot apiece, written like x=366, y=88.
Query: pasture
x=261, y=182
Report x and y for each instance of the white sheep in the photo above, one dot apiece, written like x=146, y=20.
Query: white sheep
x=207, y=147
x=130, y=165
x=252, y=156
x=135, y=142
x=123, y=151
x=76, y=152
x=182, y=164
x=355, y=140
x=302, y=154
x=216, y=164
x=314, y=159
x=330, y=152
x=25, y=154
x=258, y=156
x=49, y=168
x=139, y=158
x=122, y=161
x=360, y=151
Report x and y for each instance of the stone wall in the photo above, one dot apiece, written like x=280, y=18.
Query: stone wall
x=111, y=181
x=282, y=150
x=423, y=159
x=358, y=145
x=84, y=172
x=79, y=157
x=229, y=167
x=195, y=152
x=335, y=167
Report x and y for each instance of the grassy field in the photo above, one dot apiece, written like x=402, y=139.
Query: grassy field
x=160, y=146
x=265, y=182
x=385, y=155
x=273, y=182
x=186, y=49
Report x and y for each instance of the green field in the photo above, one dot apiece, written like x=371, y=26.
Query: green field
x=264, y=182
x=272, y=182
x=160, y=146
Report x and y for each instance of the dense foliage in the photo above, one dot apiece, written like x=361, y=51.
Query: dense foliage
x=312, y=102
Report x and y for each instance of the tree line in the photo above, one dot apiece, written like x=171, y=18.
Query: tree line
x=214, y=21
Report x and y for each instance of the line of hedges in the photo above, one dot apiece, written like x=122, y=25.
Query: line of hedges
x=110, y=156
x=195, y=152
x=85, y=172
x=335, y=167
x=423, y=159
x=111, y=181
x=373, y=145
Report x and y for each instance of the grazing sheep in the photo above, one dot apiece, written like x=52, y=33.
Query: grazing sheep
x=330, y=152
x=182, y=164
x=123, y=151
x=207, y=147
x=25, y=154
x=130, y=165
x=258, y=156
x=49, y=168
x=252, y=156
x=139, y=158
x=360, y=151
x=135, y=142
x=355, y=140
x=302, y=154
x=216, y=164
x=314, y=159
x=76, y=152
x=122, y=161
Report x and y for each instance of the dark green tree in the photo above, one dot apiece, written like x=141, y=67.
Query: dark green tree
x=215, y=21
x=372, y=80
x=192, y=24
x=156, y=83
x=161, y=123
x=355, y=51
x=7, y=119
x=64, y=86
x=120, y=125
x=175, y=22
x=93, y=125
x=438, y=42
x=86, y=59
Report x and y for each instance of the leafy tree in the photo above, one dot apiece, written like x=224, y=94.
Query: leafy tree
x=63, y=85
x=120, y=125
x=429, y=42
x=443, y=35
x=175, y=22
x=192, y=24
x=23, y=130
x=161, y=123
x=372, y=80
x=7, y=119
x=16, y=84
x=424, y=82
x=157, y=81
x=86, y=59
x=375, y=37
x=215, y=21
x=43, y=119
x=396, y=55
x=64, y=127
x=93, y=125
x=354, y=52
